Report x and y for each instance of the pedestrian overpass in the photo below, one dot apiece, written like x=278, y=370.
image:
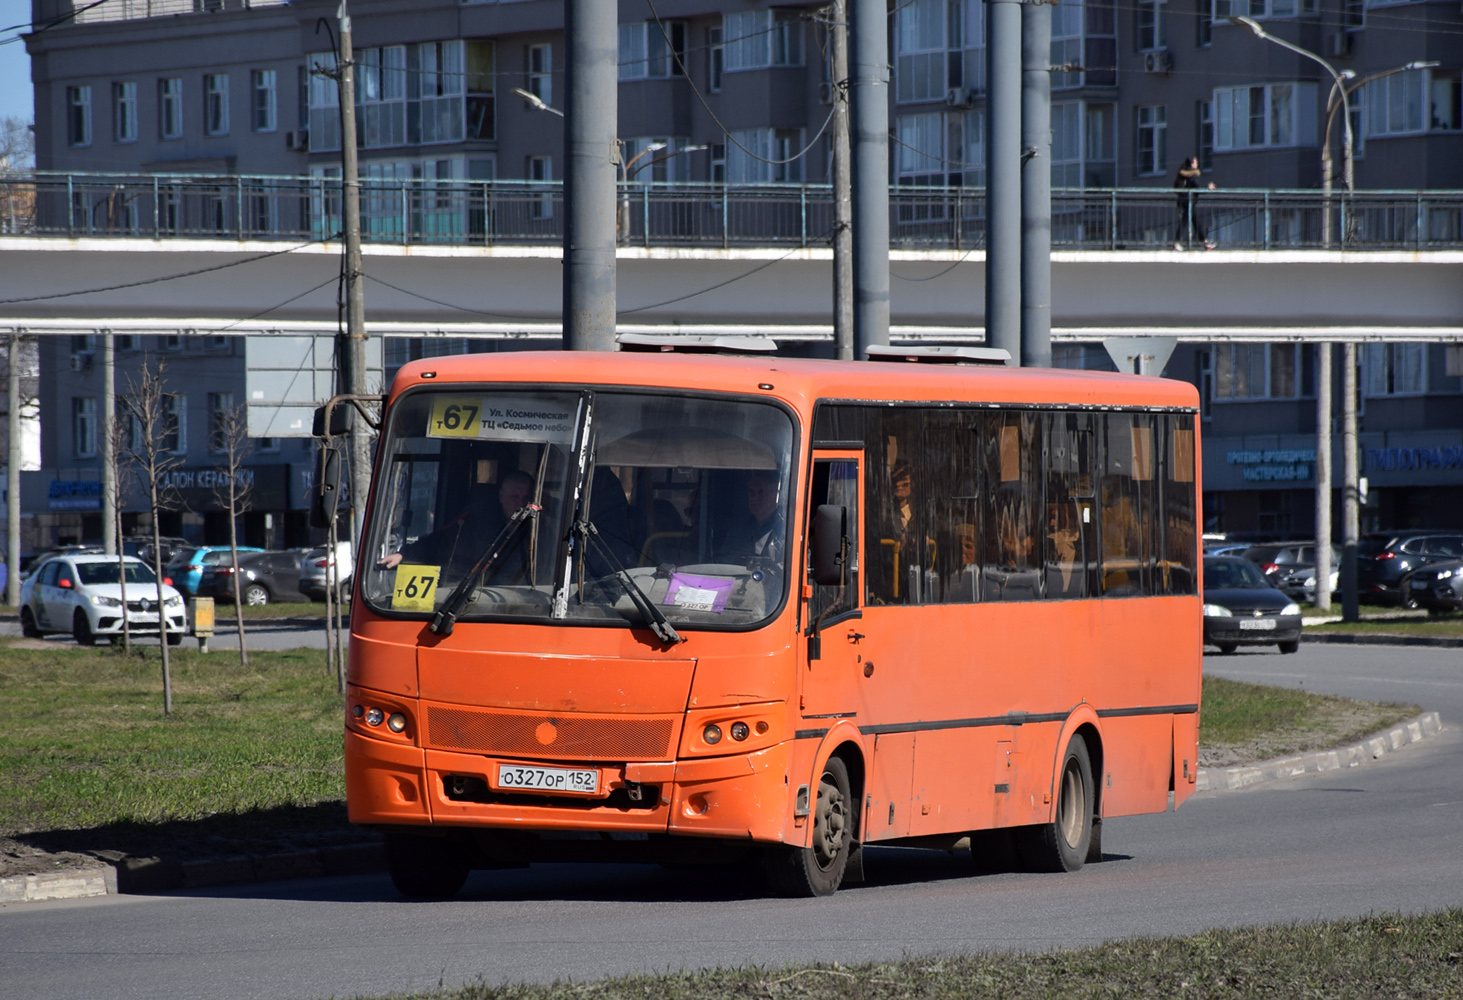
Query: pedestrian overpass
x=70, y=285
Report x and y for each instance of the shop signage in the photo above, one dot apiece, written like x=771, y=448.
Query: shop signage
x=1270, y=465
x=207, y=488
x=1393, y=459
x=80, y=494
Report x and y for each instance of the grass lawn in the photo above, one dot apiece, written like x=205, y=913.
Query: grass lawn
x=1449, y=625
x=85, y=742
x=1242, y=723
x=1386, y=956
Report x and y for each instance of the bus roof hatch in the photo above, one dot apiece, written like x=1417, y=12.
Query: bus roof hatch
x=941, y=355
x=696, y=343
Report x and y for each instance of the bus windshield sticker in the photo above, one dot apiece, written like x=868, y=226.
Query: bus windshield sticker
x=503, y=417
x=415, y=588
x=698, y=593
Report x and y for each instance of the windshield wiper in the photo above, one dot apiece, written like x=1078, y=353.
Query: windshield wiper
x=444, y=620
x=653, y=616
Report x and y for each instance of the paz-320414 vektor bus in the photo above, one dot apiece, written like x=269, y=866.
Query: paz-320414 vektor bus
x=695, y=608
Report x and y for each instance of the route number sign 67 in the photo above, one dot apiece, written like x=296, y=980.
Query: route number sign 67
x=455, y=416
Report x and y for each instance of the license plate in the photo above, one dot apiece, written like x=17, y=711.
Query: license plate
x=1257, y=624
x=585, y=781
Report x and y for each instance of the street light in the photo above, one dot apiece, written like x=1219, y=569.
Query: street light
x=1332, y=104
x=627, y=174
x=536, y=102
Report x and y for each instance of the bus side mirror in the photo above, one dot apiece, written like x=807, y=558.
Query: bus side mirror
x=830, y=526
x=325, y=496
x=339, y=420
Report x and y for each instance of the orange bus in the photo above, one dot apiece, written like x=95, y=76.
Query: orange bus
x=698, y=609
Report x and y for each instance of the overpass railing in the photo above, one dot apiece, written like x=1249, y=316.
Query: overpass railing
x=195, y=206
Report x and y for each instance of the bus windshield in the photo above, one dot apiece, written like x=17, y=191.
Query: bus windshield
x=581, y=506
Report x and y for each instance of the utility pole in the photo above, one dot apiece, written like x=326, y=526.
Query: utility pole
x=354, y=355
x=842, y=194
x=870, y=127
x=1350, y=493
x=109, y=446
x=12, y=478
x=1323, y=475
x=1003, y=177
x=1036, y=186
x=591, y=33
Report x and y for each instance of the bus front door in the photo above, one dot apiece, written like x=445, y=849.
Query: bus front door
x=831, y=617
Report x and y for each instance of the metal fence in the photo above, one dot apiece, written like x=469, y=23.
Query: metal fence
x=237, y=207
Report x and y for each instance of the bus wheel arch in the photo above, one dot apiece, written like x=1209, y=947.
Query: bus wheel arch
x=1071, y=836
x=834, y=798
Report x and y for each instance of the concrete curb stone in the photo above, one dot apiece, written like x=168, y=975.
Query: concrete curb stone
x=97, y=881
x=1384, y=639
x=1232, y=778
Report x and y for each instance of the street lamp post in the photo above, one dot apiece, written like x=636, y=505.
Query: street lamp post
x=629, y=170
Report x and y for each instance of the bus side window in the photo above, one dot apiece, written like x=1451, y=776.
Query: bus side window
x=1128, y=525
x=1176, y=568
x=1011, y=494
x=1071, y=533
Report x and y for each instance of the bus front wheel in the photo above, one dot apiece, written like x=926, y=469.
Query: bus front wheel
x=1062, y=844
x=818, y=870
x=425, y=867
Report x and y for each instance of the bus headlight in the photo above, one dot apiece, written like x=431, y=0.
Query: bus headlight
x=374, y=716
x=711, y=734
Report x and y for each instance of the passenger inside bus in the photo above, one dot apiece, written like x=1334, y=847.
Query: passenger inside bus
x=462, y=540
x=760, y=533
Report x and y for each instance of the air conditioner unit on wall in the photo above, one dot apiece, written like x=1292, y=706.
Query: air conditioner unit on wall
x=825, y=93
x=960, y=97
x=298, y=139
x=1158, y=62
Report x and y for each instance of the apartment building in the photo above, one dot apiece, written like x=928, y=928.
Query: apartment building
x=732, y=91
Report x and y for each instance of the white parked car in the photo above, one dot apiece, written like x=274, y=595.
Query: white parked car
x=312, y=576
x=82, y=594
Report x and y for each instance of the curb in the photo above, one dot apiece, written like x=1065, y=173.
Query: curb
x=124, y=874
x=1384, y=639
x=1425, y=725
x=97, y=881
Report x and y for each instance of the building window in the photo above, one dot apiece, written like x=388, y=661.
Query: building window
x=175, y=424
x=1395, y=103
x=482, y=109
x=170, y=108
x=1204, y=26
x=540, y=64
x=84, y=426
x=940, y=48
x=717, y=166
x=440, y=87
x=941, y=148
x=644, y=54
x=1084, y=49
x=1394, y=369
x=1261, y=9
x=757, y=39
x=1275, y=114
x=1082, y=145
x=124, y=112
x=220, y=410
x=381, y=96
x=78, y=118
x=1205, y=118
x=541, y=169
x=1444, y=106
x=324, y=103
x=757, y=156
x=1152, y=141
x=1262, y=371
x=170, y=342
x=716, y=61
x=124, y=342
x=1152, y=36
x=265, y=106
x=216, y=104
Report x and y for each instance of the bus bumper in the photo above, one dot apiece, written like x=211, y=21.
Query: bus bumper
x=743, y=796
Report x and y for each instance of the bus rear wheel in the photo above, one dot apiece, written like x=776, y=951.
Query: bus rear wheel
x=818, y=870
x=425, y=867
x=1062, y=845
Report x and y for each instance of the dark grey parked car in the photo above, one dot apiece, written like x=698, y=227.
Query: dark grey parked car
x=1242, y=609
x=1383, y=558
x=263, y=577
x=1438, y=586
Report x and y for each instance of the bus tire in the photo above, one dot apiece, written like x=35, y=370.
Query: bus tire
x=425, y=867
x=818, y=870
x=1062, y=844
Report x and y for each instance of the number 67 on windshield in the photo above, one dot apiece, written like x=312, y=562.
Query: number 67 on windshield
x=455, y=416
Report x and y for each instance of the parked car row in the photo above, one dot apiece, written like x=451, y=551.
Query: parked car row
x=269, y=577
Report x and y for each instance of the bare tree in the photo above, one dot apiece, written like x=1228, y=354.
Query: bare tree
x=154, y=449
x=17, y=155
x=22, y=403
x=228, y=436
x=118, y=428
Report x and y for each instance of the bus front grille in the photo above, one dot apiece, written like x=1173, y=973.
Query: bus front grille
x=574, y=737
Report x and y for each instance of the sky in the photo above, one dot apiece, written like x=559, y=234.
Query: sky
x=15, y=92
